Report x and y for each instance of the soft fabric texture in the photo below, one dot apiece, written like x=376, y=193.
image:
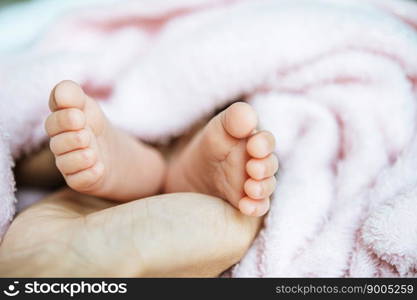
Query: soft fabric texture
x=335, y=81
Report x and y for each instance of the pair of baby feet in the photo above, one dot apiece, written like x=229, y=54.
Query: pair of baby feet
x=228, y=158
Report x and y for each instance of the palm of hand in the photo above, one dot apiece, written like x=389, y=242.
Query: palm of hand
x=69, y=234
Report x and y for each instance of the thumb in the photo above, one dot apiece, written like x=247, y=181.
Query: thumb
x=185, y=234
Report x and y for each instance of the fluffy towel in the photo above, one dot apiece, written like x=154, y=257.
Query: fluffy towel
x=335, y=81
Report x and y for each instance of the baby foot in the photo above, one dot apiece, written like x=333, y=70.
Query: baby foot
x=230, y=160
x=93, y=156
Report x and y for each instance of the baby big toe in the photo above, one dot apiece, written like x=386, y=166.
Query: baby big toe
x=69, y=141
x=239, y=120
x=76, y=161
x=67, y=94
x=260, y=189
x=261, y=144
x=254, y=208
x=262, y=168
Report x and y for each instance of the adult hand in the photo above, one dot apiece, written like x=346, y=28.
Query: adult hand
x=69, y=234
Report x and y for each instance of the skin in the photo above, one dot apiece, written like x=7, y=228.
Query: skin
x=172, y=235
x=69, y=234
x=228, y=158
x=95, y=157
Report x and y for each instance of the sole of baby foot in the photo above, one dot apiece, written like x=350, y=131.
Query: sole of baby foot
x=94, y=157
x=229, y=159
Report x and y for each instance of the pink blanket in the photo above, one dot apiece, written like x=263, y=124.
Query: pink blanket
x=335, y=81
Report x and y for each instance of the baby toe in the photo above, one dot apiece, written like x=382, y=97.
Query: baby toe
x=261, y=144
x=69, y=141
x=254, y=208
x=239, y=120
x=67, y=94
x=260, y=189
x=86, y=179
x=65, y=120
x=76, y=161
x=262, y=168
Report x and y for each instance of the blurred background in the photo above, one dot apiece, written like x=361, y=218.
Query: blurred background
x=21, y=20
